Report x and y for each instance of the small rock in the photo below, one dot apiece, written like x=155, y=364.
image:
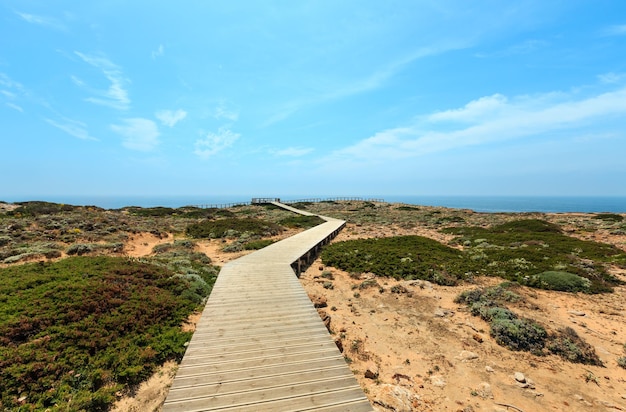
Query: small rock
x=576, y=313
x=489, y=369
x=609, y=405
x=466, y=355
x=438, y=380
x=578, y=397
x=439, y=313
x=395, y=398
x=371, y=371
x=519, y=376
x=319, y=301
x=339, y=344
x=484, y=390
x=624, y=396
x=371, y=375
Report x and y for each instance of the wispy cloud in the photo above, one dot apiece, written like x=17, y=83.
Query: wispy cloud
x=138, y=134
x=292, y=151
x=170, y=117
x=525, y=47
x=160, y=51
x=9, y=83
x=363, y=84
x=483, y=121
x=611, y=77
x=214, y=143
x=12, y=93
x=474, y=110
x=45, y=21
x=616, y=30
x=15, y=107
x=116, y=95
x=72, y=127
x=222, y=112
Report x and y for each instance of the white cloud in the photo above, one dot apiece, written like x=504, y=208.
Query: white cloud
x=116, y=95
x=7, y=82
x=73, y=128
x=213, y=143
x=611, y=77
x=292, y=151
x=350, y=87
x=160, y=51
x=221, y=112
x=170, y=117
x=138, y=134
x=490, y=119
x=617, y=30
x=15, y=107
x=474, y=110
x=526, y=47
x=42, y=21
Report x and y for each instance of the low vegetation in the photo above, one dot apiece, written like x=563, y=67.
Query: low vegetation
x=302, y=222
x=531, y=252
x=402, y=257
x=232, y=227
x=76, y=331
x=536, y=253
x=523, y=334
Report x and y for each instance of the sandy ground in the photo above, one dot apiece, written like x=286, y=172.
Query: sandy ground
x=417, y=350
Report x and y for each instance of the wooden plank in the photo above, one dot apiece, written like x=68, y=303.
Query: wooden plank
x=260, y=344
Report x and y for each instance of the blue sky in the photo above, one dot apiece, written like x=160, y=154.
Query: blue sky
x=280, y=98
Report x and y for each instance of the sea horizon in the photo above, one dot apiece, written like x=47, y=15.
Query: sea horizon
x=478, y=203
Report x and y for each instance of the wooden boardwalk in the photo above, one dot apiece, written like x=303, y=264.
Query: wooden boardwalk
x=260, y=345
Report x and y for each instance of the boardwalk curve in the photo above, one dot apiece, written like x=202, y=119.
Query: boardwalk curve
x=260, y=345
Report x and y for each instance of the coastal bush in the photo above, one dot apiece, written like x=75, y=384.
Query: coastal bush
x=611, y=217
x=302, y=222
x=520, y=250
x=232, y=227
x=408, y=208
x=75, y=332
x=518, y=334
x=34, y=208
x=568, y=345
x=257, y=244
x=402, y=257
x=522, y=334
x=152, y=211
x=562, y=281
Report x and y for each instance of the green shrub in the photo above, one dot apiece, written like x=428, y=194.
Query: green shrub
x=303, y=222
x=408, y=257
x=518, y=334
x=561, y=281
x=35, y=208
x=76, y=331
x=611, y=217
x=568, y=345
x=408, y=208
x=152, y=211
x=521, y=249
x=621, y=362
x=231, y=227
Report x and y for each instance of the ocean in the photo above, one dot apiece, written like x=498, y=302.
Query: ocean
x=488, y=204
